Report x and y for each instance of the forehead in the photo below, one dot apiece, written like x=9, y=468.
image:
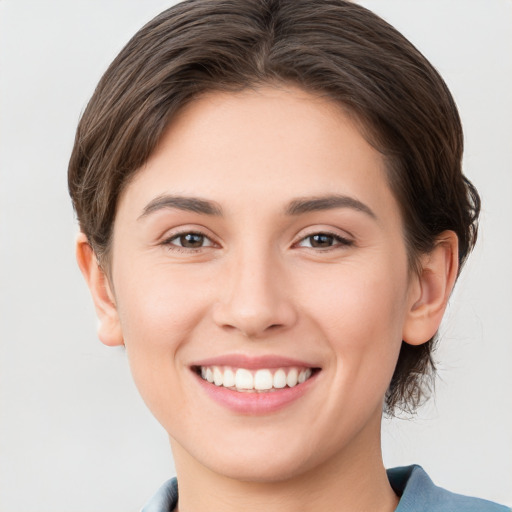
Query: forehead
x=269, y=144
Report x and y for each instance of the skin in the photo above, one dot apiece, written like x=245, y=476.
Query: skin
x=259, y=284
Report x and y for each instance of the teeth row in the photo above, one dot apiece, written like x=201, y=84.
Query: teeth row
x=260, y=380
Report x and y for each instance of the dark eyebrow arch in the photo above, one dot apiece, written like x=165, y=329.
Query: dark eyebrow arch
x=189, y=204
x=314, y=204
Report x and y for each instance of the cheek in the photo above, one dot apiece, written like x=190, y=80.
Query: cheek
x=158, y=312
x=362, y=322
x=159, y=308
x=361, y=311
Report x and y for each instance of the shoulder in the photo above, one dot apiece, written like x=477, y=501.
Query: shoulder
x=419, y=494
x=165, y=499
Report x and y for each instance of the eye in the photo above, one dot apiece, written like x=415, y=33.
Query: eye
x=189, y=240
x=324, y=241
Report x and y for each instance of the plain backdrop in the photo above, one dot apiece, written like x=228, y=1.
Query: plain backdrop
x=74, y=434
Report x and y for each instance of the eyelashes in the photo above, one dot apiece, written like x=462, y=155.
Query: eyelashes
x=324, y=241
x=191, y=241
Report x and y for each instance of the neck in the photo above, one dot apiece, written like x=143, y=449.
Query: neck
x=354, y=479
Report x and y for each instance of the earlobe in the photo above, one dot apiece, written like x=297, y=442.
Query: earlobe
x=109, y=327
x=431, y=290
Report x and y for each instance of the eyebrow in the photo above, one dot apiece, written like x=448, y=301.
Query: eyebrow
x=314, y=204
x=189, y=204
x=295, y=207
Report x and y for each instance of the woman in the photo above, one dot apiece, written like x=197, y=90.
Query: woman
x=273, y=216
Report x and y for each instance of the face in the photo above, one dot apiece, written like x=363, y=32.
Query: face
x=260, y=278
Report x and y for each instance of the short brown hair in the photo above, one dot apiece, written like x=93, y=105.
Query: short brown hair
x=334, y=48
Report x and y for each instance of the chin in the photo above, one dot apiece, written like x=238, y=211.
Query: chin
x=267, y=470
x=271, y=461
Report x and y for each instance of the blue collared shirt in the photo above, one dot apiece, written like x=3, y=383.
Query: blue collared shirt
x=416, y=490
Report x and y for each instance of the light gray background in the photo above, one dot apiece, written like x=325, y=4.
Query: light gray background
x=74, y=435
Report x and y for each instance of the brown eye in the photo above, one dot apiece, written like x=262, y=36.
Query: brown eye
x=190, y=241
x=321, y=240
x=324, y=241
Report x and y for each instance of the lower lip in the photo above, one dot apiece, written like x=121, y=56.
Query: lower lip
x=254, y=403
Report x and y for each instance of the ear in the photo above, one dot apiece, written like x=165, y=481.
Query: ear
x=431, y=290
x=109, y=327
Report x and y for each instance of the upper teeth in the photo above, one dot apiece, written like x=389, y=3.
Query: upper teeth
x=242, y=379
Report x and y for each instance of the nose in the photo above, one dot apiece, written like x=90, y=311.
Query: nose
x=254, y=299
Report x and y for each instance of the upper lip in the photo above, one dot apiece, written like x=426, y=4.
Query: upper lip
x=253, y=362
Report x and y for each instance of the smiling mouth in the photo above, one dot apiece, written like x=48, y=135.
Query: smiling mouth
x=263, y=380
